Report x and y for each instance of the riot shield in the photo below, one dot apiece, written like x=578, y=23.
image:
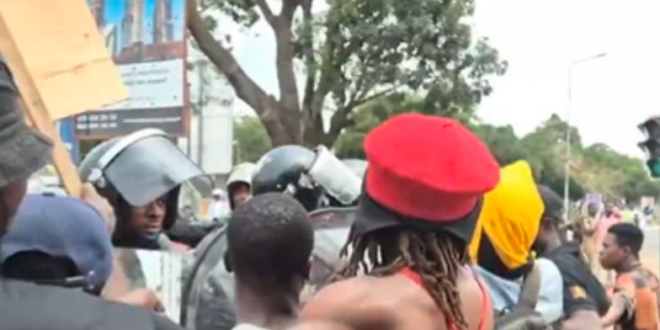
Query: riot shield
x=331, y=227
x=161, y=271
x=208, y=297
x=208, y=293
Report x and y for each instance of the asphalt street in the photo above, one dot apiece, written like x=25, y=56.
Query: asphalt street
x=651, y=250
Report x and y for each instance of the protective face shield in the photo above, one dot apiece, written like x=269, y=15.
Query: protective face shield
x=143, y=166
x=208, y=298
x=358, y=166
x=338, y=181
x=162, y=271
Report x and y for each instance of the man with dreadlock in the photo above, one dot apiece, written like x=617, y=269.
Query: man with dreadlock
x=422, y=197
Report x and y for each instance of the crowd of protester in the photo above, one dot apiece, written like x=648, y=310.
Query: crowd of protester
x=442, y=238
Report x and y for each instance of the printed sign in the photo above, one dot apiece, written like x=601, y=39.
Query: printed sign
x=146, y=39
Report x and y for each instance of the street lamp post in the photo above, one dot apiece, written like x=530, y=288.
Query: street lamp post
x=201, y=66
x=567, y=170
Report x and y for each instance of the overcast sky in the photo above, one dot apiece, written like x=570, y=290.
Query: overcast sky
x=540, y=38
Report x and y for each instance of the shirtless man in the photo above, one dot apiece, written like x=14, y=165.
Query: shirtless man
x=422, y=197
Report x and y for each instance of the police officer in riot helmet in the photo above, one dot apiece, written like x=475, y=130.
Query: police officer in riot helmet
x=311, y=177
x=140, y=174
x=239, y=184
x=282, y=170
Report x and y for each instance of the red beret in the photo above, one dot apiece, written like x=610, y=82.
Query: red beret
x=428, y=167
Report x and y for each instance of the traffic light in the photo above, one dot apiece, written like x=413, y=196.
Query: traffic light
x=651, y=146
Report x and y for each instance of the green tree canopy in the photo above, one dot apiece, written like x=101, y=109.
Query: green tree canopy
x=595, y=168
x=353, y=52
x=250, y=140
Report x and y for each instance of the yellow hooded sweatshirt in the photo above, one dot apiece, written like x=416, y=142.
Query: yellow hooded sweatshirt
x=510, y=216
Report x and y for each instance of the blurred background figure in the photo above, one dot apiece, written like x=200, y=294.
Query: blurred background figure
x=239, y=184
x=647, y=215
x=610, y=216
x=585, y=229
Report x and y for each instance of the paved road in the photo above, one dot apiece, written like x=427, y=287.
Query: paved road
x=651, y=251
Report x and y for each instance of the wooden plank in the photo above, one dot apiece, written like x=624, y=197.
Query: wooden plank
x=61, y=67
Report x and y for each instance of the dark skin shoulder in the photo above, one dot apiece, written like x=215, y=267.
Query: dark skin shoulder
x=392, y=302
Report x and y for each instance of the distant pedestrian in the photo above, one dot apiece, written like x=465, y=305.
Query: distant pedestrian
x=635, y=303
x=610, y=217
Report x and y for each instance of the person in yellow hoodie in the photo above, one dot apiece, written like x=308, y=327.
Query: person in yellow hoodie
x=502, y=247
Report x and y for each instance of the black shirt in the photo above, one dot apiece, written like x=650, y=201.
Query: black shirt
x=26, y=306
x=582, y=290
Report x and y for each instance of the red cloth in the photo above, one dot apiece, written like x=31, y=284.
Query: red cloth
x=428, y=167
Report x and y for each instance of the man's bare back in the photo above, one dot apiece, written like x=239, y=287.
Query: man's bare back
x=392, y=302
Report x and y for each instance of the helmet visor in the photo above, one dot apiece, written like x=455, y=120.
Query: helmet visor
x=151, y=167
x=335, y=177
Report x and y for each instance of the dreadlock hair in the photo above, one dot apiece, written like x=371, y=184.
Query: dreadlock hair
x=436, y=256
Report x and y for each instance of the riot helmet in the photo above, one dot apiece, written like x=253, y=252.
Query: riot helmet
x=135, y=170
x=310, y=176
x=240, y=177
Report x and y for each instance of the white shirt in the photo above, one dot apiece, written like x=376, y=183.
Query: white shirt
x=505, y=293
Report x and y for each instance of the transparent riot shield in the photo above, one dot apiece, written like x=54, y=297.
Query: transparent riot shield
x=208, y=295
x=161, y=271
x=331, y=228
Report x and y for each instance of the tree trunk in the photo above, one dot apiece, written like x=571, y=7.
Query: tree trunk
x=279, y=132
x=280, y=123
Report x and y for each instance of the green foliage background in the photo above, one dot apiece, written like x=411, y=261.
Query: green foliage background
x=594, y=168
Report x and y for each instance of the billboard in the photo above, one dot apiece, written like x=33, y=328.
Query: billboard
x=66, y=129
x=146, y=39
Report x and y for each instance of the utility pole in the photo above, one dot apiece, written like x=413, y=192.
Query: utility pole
x=189, y=140
x=567, y=165
x=201, y=66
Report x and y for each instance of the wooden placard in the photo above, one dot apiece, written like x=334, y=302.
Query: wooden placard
x=61, y=66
